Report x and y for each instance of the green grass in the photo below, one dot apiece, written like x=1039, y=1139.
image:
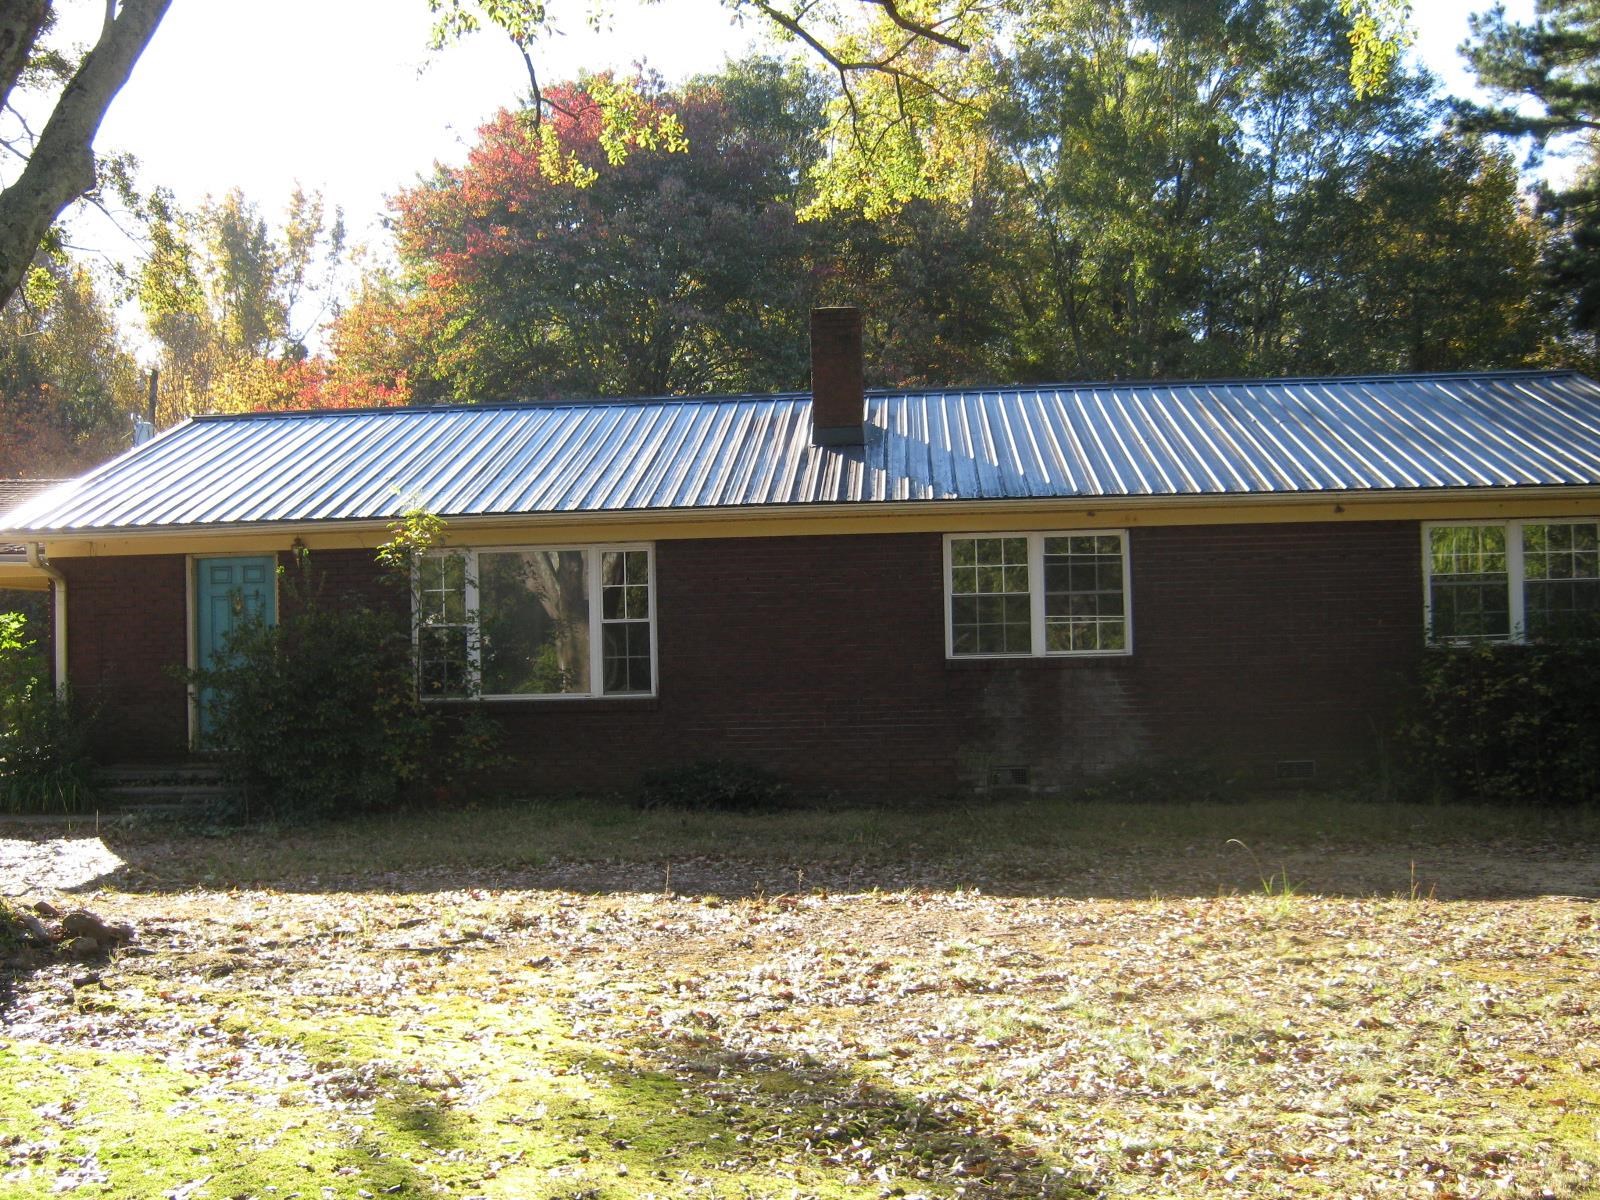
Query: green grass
x=436, y=1093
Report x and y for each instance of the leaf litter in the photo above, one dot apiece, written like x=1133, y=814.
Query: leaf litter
x=536, y=1041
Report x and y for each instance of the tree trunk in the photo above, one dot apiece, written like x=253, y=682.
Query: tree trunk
x=61, y=167
x=20, y=24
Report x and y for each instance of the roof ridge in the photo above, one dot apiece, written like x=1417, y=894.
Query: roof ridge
x=1080, y=385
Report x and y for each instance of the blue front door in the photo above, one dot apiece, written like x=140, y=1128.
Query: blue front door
x=227, y=592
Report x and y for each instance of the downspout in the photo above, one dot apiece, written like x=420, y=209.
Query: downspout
x=58, y=608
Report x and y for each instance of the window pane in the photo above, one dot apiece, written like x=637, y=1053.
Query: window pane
x=626, y=653
x=442, y=588
x=444, y=665
x=1561, y=595
x=1468, y=607
x=1018, y=638
x=1084, y=600
x=625, y=615
x=1468, y=549
x=1468, y=588
x=443, y=668
x=989, y=600
x=534, y=617
x=1001, y=566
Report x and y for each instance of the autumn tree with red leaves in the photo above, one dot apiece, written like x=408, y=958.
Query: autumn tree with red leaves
x=681, y=269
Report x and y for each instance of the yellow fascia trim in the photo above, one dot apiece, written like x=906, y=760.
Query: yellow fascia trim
x=937, y=516
x=19, y=576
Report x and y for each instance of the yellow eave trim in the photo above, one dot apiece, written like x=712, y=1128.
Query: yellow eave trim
x=917, y=516
x=19, y=576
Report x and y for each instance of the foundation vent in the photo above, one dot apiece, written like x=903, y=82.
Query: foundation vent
x=1010, y=778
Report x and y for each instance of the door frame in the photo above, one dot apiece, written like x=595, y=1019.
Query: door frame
x=191, y=600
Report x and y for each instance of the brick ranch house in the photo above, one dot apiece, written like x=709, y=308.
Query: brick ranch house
x=881, y=592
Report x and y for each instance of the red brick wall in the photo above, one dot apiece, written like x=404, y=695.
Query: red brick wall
x=333, y=575
x=823, y=657
x=1275, y=642
x=125, y=632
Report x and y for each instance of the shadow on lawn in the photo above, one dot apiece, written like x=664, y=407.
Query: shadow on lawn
x=1303, y=845
x=694, y=1105
x=1476, y=872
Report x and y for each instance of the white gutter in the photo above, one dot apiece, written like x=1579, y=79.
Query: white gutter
x=58, y=609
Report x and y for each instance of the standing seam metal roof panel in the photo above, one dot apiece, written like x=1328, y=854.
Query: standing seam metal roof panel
x=1269, y=437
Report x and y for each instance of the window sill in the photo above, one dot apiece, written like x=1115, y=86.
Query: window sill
x=1521, y=643
x=586, y=704
x=968, y=662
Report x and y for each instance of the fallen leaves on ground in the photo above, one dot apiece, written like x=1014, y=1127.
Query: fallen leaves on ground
x=543, y=1042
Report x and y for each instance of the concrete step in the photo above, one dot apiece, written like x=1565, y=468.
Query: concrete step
x=186, y=771
x=172, y=787
x=135, y=792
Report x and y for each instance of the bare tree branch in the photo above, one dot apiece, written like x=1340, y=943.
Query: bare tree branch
x=533, y=82
x=21, y=120
x=930, y=32
x=884, y=65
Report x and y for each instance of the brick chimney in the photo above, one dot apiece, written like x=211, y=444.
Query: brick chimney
x=838, y=395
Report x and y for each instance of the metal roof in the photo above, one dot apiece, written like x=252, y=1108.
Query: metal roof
x=12, y=493
x=1506, y=429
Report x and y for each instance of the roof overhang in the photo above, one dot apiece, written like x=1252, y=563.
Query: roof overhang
x=17, y=575
x=858, y=517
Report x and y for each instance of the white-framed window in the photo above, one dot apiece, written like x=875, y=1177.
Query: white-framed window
x=1511, y=581
x=517, y=622
x=1036, y=594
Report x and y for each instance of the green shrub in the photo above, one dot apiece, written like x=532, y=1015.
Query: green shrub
x=45, y=761
x=1517, y=724
x=45, y=765
x=715, y=786
x=319, y=713
x=21, y=665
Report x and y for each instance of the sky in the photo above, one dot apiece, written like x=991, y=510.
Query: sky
x=343, y=96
